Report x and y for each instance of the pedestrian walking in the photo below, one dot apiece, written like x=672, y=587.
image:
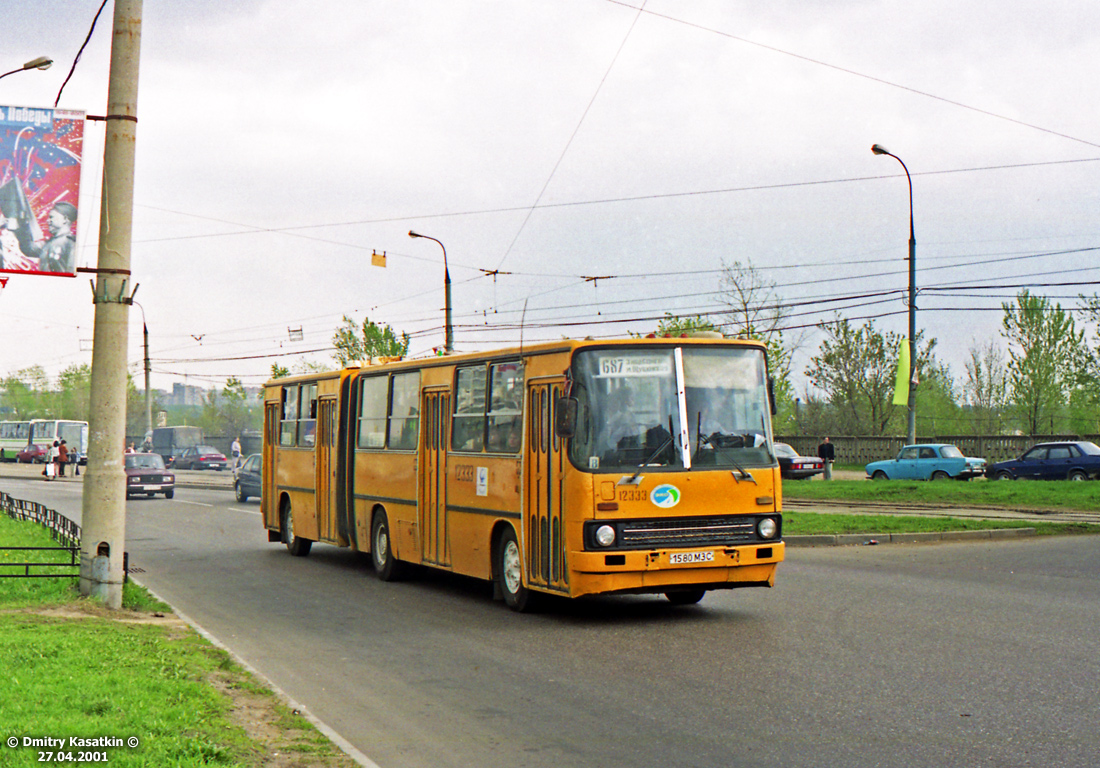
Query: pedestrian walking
x=827, y=453
x=62, y=458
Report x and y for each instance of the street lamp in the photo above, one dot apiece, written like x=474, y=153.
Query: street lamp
x=448, y=332
x=42, y=62
x=911, y=431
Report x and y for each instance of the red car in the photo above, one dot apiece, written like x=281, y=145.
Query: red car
x=33, y=454
x=201, y=457
x=146, y=475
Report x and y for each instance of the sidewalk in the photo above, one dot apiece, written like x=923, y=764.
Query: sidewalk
x=187, y=478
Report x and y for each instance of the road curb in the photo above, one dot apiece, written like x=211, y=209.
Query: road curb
x=328, y=731
x=863, y=539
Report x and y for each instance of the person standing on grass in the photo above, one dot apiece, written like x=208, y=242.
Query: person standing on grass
x=827, y=453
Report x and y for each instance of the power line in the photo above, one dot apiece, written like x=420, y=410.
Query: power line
x=856, y=73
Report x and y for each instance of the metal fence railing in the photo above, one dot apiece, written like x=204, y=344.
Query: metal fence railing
x=63, y=530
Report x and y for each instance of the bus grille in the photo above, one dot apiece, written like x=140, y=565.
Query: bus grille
x=641, y=534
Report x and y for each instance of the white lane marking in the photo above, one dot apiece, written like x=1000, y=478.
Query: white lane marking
x=196, y=503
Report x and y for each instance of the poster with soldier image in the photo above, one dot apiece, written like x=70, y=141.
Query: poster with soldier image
x=40, y=153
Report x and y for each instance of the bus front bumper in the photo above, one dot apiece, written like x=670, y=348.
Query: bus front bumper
x=656, y=570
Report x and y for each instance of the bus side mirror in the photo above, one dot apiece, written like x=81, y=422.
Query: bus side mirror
x=565, y=417
x=771, y=395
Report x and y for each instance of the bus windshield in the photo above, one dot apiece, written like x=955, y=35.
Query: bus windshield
x=635, y=405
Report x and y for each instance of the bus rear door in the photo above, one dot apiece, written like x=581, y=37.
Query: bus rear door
x=434, y=539
x=326, y=470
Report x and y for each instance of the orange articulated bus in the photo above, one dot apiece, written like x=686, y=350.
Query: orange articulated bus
x=571, y=468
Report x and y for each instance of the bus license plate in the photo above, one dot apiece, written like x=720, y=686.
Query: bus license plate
x=677, y=558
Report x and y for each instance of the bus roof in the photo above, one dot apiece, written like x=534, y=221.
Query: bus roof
x=542, y=348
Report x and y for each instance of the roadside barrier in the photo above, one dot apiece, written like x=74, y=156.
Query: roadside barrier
x=62, y=529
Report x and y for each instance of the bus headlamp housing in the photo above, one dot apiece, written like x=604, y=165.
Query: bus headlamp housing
x=766, y=528
x=605, y=535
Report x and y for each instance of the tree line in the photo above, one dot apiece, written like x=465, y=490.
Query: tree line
x=1039, y=375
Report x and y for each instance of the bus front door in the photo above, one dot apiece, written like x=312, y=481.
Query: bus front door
x=545, y=531
x=434, y=541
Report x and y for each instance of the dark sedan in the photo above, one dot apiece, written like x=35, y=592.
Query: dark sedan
x=795, y=467
x=1052, y=461
x=201, y=457
x=249, y=478
x=146, y=475
x=33, y=454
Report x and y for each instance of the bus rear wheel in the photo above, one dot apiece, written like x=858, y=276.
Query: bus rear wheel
x=686, y=596
x=509, y=572
x=388, y=567
x=296, y=545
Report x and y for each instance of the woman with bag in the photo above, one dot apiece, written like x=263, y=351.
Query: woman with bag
x=51, y=461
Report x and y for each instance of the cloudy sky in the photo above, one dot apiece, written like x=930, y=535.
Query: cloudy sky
x=280, y=143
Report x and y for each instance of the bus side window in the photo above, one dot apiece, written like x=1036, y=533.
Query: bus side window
x=288, y=431
x=372, y=412
x=405, y=411
x=308, y=429
x=468, y=433
x=506, y=407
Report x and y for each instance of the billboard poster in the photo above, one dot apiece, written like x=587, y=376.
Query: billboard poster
x=40, y=153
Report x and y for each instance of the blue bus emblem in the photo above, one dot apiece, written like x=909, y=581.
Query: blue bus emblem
x=665, y=496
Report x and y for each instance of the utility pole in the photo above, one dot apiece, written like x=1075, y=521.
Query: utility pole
x=103, y=538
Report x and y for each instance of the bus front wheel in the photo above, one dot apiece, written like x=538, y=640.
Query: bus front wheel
x=296, y=545
x=388, y=567
x=509, y=572
x=685, y=596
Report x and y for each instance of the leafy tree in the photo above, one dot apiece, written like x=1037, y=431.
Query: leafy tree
x=675, y=325
x=27, y=394
x=230, y=411
x=1044, y=346
x=367, y=342
x=856, y=368
x=938, y=409
x=1088, y=356
x=279, y=371
x=74, y=390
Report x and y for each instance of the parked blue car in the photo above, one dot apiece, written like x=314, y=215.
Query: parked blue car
x=933, y=461
x=1052, y=461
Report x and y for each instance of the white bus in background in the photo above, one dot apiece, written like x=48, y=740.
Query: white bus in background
x=14, y=437
x=74, y=433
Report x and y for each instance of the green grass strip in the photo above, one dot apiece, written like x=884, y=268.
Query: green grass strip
x=816, y=524
x=73, y=669
x=1054, y=495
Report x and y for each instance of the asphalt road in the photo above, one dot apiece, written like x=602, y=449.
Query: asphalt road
x=939, y=655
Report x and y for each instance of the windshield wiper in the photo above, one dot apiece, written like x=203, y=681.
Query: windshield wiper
x=655, y=454
x=722, y=451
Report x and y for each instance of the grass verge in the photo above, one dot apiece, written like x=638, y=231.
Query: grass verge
x=1059, y=495
x=78, y=670
x=816, y=524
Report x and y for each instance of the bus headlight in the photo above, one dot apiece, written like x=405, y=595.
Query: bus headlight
x=766, y=528
x=605, y=535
